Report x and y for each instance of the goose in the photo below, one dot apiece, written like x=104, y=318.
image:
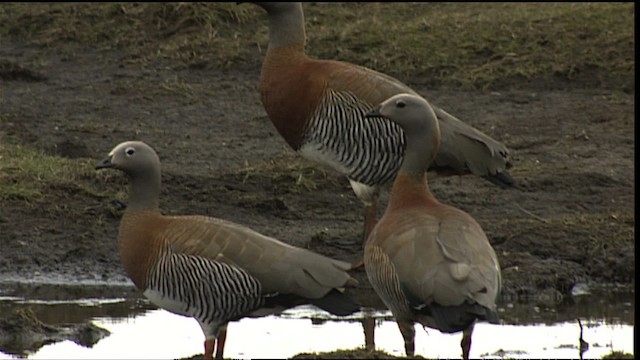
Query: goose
x=429, y=262
x=318, y=107
x=211, y=269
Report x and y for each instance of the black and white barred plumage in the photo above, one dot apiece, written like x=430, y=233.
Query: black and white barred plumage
x=369, y=149
x=211, y=291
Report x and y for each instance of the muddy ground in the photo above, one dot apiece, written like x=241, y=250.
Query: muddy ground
x=569, y=220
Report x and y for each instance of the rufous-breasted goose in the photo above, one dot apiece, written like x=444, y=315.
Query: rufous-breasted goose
x=211, y=269
x=318, y=107
x=429, y=262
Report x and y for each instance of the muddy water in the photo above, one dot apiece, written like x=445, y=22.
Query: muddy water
x=139, y=330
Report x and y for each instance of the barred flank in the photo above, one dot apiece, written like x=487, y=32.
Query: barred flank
x=384, y=280
x=214, y=292
x=370, y=148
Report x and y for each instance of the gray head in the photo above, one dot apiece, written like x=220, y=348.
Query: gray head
x=420, y=124
x=411, y=112
x=132, y=157
x=142, y=165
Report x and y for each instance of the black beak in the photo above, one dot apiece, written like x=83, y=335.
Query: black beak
x=104, y=164
x=375, y=112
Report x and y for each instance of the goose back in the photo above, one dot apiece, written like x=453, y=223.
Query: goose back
x=278, y=267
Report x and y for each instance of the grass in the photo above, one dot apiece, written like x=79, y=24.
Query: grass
x=352, y=354
x=618, y=355
x=26, y=174
x=479, y=44
x=297, y=173
x=592, y=223
x=470, y=45
x=597, y=239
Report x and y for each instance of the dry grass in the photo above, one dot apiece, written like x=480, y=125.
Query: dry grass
x=485, y=44
x=26, y=174
x=471, y=45
x=299, y=174
x=618, y=355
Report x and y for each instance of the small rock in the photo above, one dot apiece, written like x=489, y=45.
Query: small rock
x=580, y=289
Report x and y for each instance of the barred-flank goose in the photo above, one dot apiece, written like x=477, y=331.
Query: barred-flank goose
x=211, y=269
x=429, y=262
x=318, y=107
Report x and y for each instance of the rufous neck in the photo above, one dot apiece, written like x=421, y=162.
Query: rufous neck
x=410, y=189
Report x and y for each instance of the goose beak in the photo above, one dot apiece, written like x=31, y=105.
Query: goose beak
x=375, y=112
x=105, y=163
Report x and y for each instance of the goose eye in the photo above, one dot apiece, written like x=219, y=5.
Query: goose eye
x=130, y=151
x=400, y=104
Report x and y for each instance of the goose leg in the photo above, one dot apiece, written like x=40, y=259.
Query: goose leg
x=408, y=333
x=369, y=197
x=222, y=336
x=209, y=345
x=369, y=325
x=370, y=219
x=465, y=344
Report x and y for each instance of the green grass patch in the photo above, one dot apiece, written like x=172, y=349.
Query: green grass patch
x=352, y=354
x=469, y=45
x=618, y=355
x=26, y=174
x=479, y=44
x=184, y=32
x=296, y=173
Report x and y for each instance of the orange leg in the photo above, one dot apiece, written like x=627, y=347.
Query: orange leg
x=408, y=333
x=370, y=220
x=222, y=336
x=209, y=345
x=369, y=325
x=465, y=344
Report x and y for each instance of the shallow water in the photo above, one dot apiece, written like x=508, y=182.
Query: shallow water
x=139, y=330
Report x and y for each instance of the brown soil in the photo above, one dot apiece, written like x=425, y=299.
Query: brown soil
x=570, y=219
